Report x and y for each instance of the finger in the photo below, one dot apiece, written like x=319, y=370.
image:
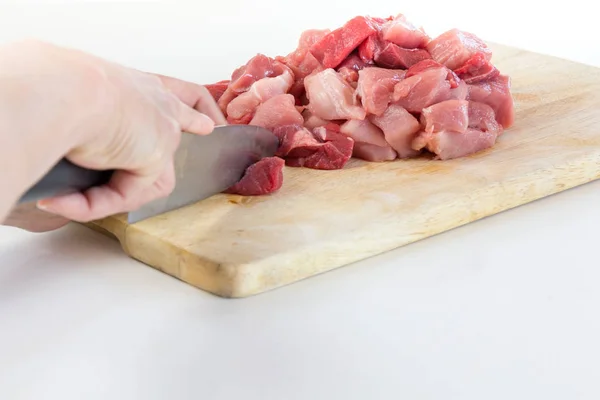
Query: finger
x=195, y=96
x=193, y=121
x=125, y=192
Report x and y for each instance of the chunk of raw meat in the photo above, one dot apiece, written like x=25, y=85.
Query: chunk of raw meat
x=429, y=64
x=334, y=47
x=331, y=97
x=258, y=67
x=454, y=47
x=399, y=128
x=394, y=56
x=320, y=149
x=312, y=121
x=425, y=89
x=482, y=117
x=496, y=94
x=367, y=49
x=301, y=61
x=477, y=69
x=262, y=177
x=277, y=111
x=451, y=115
x=403, y=33
x=449, y=144
x=217, y=89
x=241, y=109
x=369, y=141
x=350, y=66
x=376, y=86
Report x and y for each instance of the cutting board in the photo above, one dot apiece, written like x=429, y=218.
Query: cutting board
x=236, y=246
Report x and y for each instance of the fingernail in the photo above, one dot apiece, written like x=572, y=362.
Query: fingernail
x=41, y=205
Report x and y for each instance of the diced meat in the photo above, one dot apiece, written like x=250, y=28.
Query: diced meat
x=258, y=67
x=403, y=33
x=312, y=121
x=241, y=109
x=482, y=117
x=477, y=69
x=448, y=144
x=367, y=49
x=394, y=56
x=217, y=89
x=331, y=97
x=451, y=115
x=277, y=111
x=373, y=153
x=425, y=89
x=369, y=141
x=320, y=149
x=334, y=47
x=496, y=94
x=262, y=177
x=301, y=61
x=429, y=64
x=350, y=66
x=376, y=86
x=454, y=47
x=399, y=128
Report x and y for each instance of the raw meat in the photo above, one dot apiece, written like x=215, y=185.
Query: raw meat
x=334, y=47
x=377, y=89
x=331, y=97
x=262, y=177
x=401, y=32
x=454, y=48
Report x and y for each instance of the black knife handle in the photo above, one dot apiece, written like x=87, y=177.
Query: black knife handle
x=65, y=178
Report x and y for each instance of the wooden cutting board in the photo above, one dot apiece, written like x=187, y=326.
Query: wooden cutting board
x=237, y=246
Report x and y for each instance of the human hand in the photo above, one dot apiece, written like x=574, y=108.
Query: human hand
x=107, y=116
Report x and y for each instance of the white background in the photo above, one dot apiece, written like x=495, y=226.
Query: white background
x=506, y=307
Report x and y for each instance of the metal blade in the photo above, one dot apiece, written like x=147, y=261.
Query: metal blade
x=207, y=165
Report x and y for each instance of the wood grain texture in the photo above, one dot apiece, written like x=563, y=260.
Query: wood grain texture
x=237, y=246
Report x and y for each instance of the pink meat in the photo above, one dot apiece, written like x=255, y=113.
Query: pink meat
x=312, y=121
x=403, y=33
x=482, y=117
x=399, y=128
x=454, y=47
x=425, y=89
x=451, y=115
x=373, y=153
x=369, y=141
x=217, y=89
x=334, y=47
x=262, y=177
x=496, y=94
x=277, y=111
x=258, y=67
x=321, y=149
x=449, y=144
x=301, y=61
x=350, y=66
x=241, y=109
x=391, y=55
x=368, y=48
x=429, y=64
x=477, y=69
x=331, y=97
x=376, y=86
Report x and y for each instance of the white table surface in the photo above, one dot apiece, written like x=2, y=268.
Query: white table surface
x=506, y=307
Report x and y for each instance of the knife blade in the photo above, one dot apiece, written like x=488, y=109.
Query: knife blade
x=205, y=165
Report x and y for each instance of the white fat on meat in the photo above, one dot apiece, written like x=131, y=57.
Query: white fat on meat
x=259, y=92
x=331, y=97
x=454, y=47
x=399, y=129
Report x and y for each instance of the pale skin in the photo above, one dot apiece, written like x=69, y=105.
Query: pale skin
x=57, y=102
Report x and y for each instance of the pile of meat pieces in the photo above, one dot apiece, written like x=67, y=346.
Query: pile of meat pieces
x=377, y=89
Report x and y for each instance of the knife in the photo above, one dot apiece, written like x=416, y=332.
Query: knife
x=205, y=165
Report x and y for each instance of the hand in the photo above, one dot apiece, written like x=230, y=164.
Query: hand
x=111, y=117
